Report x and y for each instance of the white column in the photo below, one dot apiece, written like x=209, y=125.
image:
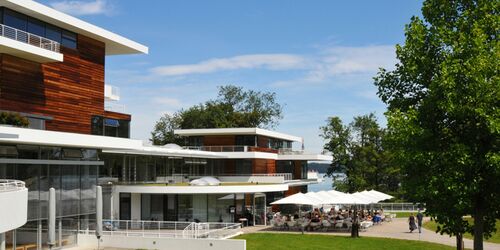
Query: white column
x=2, y=241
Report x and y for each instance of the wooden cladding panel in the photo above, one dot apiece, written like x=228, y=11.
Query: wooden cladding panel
x=116, y=115
x=262, y=141
x=297, y=170
x=263, y=166
x=293, y=190
x=219, y=140
x=70, y=91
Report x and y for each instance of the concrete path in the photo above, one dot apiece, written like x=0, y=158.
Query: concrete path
x=397, y=229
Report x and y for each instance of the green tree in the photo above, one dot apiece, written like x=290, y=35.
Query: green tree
x=234, y=107
x=443, y=113
x=358, y=151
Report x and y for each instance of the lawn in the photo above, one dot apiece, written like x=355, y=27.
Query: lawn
x=495, y=238
x=281, y=241
x=403, y=214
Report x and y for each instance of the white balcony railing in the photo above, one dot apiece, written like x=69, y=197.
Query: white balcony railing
x=164, y=229
x=11, y=185
x=224, y=148
x=111, y=93
x=287, y=151
x=114, y=107
x=32, y=39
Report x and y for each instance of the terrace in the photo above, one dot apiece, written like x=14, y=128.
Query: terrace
x=29, y=46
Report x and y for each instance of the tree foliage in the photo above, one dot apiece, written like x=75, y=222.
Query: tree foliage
x=13, y=119
x=358, y=151
x=234, y=107
x=444, y=116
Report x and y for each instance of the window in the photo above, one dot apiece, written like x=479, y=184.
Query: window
x=53, y=33
x=14, y=19
x=36, y=123
x=68, y=39
x=245, y=140
x=36, y=27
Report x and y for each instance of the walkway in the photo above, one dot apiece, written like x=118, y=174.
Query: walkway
x=397, y=229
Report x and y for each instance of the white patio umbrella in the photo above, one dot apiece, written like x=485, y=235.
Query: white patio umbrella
x=343, y=198
x=366, y=197
x=297, y=199
x=383, y=196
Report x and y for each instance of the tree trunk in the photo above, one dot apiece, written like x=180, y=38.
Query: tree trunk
x=478, y=228
x=460, y=241
x=355, y=224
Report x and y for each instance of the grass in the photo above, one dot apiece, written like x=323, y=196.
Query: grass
x=495, y=238
x=403, y=214
x=264, y=241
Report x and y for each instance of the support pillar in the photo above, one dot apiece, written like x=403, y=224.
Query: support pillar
x=2, y=241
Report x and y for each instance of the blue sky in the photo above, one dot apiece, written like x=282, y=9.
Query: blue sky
x=318, y=56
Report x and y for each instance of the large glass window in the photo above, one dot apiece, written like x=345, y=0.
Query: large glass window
x=68, y=39
x=110, y=127
x=34, y=26
x=245, y=140
x=15, y=19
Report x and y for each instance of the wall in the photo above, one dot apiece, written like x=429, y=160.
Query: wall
x=69, y=92
x=15, y=213
x=219, y=140
x=90, y=241
x=263, y=166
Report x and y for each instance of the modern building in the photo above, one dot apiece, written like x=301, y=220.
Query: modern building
x=52, y=72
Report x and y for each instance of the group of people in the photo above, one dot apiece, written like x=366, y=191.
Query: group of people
x=318, y=218
x=415, y=221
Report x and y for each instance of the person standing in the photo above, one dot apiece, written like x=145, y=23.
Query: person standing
x=420, y=220
x=412, y=223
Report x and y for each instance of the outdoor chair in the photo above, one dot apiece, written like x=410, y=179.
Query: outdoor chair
x=291, y=225
x=326, y=225
x=339, y=224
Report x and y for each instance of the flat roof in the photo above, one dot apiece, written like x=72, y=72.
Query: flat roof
x=237, y=131
x=115, y=44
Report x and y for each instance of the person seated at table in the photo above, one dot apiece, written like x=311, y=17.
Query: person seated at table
x=377, y=219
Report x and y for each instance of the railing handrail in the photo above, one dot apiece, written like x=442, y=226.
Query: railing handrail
x=11, y=185
x=29, y=38
x=165, y=229
x=289, y=151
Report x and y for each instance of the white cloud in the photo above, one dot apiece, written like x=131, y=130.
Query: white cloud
x=339, y=60
x=80, y=8
x=171, y=102
x=253, y=61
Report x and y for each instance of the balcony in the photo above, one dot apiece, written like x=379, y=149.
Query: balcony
x=29, y=46
x=232, y=148
x=111, y=93
x=14, y=208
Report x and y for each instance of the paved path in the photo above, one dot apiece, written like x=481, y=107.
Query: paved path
x=397, y=229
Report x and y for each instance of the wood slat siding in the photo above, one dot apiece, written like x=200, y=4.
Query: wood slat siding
x=116, y=115
x=219, y=140
x=263, y=166
x=297, y=170
x=70, y=91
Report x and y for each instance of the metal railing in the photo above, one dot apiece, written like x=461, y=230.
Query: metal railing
x=182, y=178
x=114, y=107
x=164, y=229
x=211, y=230
x=224, y=148
x=288, y=151
x=393, y=207
x=11, y=185
x=32, y=39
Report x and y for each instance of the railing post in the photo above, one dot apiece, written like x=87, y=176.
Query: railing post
x=126, y=227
